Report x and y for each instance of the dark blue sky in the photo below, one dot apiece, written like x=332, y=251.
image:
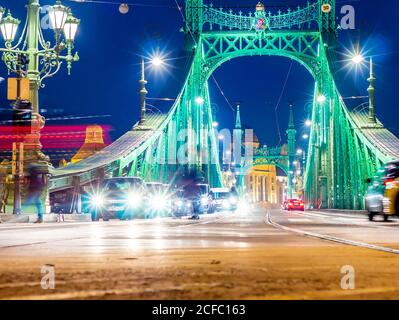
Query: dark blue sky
x=104, y=82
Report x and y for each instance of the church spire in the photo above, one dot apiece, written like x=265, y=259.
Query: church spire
x=238, y=117
x=143, y=94
x=371, y=91
x=291, y=123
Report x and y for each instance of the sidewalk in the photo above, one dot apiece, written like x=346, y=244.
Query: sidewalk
x=31, y=218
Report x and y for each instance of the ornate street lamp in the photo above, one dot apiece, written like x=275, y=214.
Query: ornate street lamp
x=58, y=15
x=8, y=27
x=71, y=28
x=41, y=59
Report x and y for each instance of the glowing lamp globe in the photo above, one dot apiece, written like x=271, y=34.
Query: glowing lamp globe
x=157, y=61
x=71, y=28
x=357, y=59
x=321, y=98
x=9, y=27
x=58, y=15
x=199, y=100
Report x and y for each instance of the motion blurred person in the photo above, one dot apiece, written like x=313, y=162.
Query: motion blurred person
x=35, y=188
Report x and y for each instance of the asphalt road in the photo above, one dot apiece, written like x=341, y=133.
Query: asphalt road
x=260, y=254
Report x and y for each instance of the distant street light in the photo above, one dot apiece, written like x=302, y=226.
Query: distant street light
x=321, y=99
x=199, y=100
x=157, y=61
x=305, y=136
x=357, y=58
x=308, y=123
x=215, y=124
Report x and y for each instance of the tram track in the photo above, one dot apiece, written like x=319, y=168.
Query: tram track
x=328, y=238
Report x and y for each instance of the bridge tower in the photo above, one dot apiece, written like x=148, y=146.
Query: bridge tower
x=194, y=9
x=291, y=139
x=327, y=16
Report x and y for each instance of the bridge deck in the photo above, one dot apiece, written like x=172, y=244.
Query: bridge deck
x=117, y=150
x=380, y=137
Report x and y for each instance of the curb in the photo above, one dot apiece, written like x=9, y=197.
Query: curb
x=31, y=218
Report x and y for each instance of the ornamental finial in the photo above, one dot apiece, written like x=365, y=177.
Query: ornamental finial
x=260, y=7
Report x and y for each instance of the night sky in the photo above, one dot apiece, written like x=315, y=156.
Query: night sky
x=110, y=44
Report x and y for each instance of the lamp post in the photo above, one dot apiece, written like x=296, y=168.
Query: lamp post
x=359, y=59
x=43, y=59
x=36, y=59
x=156, y=62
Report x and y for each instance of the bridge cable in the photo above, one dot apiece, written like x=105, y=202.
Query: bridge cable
x=279, y=101
x=196, y=44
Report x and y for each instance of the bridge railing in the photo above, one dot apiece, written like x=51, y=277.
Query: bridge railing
x=302, y=17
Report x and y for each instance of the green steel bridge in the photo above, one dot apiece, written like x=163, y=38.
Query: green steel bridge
x=345, y=147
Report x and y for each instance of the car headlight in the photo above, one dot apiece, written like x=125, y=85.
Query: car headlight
x=226, y=204
x=134, y=199
x=159, y=203
x=204, y=201
x=244, y=207
x=97, y=200
x=179, y=203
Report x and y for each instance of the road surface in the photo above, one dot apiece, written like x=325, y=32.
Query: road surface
x=259, y=254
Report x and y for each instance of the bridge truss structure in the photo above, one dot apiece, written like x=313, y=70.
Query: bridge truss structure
x=345, y=148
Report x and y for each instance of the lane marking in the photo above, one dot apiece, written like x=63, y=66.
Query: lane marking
x=329, y=238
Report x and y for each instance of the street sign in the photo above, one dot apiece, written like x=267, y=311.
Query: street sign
x=23, y=89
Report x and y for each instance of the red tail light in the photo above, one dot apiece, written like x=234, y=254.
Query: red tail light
x=388, y=181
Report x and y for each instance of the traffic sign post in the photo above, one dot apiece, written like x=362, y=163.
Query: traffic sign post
x=17, y=172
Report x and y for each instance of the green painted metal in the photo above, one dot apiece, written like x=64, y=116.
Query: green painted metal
x=341, y=153
x=338, y=162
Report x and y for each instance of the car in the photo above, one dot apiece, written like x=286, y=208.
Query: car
x=382, y=196
x=295, y=204
x=200, y=196
x=117, y=198
x=181, y=206
x=225, y=199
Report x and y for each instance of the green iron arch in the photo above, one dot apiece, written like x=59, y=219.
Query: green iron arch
x=289, y=45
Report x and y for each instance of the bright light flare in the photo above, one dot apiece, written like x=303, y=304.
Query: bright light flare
x=204, y=201
x=97, y=200
x=157, y=61
x=358, y=58
x=305, y=136
x=159, y=202
x=199, y=100
x=134, y=199
x=321, y=99
x=243, y=207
